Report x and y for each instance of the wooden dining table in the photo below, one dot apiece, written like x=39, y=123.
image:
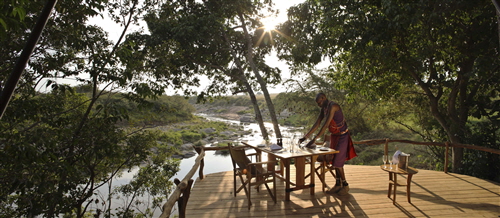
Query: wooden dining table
x=300, y=156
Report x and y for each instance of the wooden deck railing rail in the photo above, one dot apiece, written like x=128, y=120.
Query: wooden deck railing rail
x=446, y=144
x=184, y=186
x=181, y=193
x=199, y=149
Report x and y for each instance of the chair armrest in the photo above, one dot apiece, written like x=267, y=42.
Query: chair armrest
x=260, y=163
x=257, y=157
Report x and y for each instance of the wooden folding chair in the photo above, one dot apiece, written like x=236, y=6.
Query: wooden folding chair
x=251, y=174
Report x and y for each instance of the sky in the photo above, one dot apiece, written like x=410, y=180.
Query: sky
x=115, y=30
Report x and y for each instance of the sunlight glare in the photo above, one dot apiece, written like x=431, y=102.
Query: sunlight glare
x=270, y=23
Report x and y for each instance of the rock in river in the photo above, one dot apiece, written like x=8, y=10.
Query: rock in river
x=247, y=119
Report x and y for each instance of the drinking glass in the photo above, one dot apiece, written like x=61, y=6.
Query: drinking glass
x=296, y=143
x=390, y=163
x=285, y=142
x=384, y=158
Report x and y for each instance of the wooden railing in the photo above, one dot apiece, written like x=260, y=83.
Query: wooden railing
x=183, y=190
x=446, y=144
x=184, y=186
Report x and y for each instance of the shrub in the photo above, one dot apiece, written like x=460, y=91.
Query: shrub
x=190, y=136
x=171, y=137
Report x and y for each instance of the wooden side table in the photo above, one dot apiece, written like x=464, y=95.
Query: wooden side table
x=393, y=180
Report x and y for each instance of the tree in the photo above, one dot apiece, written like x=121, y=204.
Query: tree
x=10, y=85
x=192, y=41
x=250, y=59
x=58, y=147
x=448, y=49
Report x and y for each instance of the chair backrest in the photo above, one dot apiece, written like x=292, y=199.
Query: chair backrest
x=240, y=158
x=326, y=138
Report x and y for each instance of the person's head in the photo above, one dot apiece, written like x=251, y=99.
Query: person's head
x=321, y=99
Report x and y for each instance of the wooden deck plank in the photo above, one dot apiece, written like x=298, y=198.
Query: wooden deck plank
x=433, y=194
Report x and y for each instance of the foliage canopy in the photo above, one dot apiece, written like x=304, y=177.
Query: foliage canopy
x=442, y=56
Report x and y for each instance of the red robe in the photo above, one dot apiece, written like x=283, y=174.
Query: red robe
x=351, y=152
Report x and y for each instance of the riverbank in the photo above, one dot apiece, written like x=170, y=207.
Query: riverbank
x=237, y=113
x=208, y=130
x=230, y=113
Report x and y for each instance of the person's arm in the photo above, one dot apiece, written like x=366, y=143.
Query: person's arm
x=314, y=127
x=332, y=108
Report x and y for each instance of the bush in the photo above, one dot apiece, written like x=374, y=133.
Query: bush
x=171, y=137
x=190, y=136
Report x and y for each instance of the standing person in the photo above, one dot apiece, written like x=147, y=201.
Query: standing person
x=340, y=139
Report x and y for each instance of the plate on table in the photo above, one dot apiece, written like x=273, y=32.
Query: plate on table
x=324, y=149
x=275, y=147
x=261, y=145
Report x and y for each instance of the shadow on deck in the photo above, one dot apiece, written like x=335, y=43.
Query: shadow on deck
x=433, y=194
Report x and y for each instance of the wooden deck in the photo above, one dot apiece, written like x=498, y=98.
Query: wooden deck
x=433, y=194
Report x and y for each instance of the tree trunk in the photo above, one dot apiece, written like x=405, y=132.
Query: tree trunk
x=446, y=124
x=261, y=81
x=497, y=7
x=456, y=155
x=9, y=87
x=242, y=77
x=258, y=115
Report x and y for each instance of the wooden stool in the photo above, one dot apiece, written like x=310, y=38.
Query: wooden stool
x=393, y=180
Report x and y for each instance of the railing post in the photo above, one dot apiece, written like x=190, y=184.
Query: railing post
x=446, y=157
x=182, y=201
x=386, y=146
x=198, y=150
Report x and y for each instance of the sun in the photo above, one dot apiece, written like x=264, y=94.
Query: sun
x=268, y=30
x=269, y=23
